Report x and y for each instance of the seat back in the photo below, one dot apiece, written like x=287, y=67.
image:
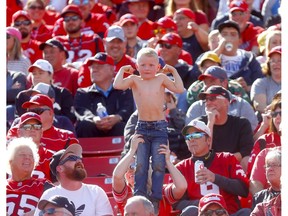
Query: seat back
x=104, y=182
x=102, y=146
x=100, y=166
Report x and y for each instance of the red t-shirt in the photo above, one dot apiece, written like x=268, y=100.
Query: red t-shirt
x=95, y=24
x=81, y=48
x=31, y=50
x=186, y=56
x=42, y=169
x=249, y=36
x=50, y=17
x=105, y=9
x=43, y=33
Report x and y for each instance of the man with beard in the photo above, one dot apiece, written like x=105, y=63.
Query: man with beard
x=68, y=168
x=22, y=21
x=79, y=45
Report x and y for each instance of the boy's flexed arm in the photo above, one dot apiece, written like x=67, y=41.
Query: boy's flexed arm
x=175, y=86
x=120, y=82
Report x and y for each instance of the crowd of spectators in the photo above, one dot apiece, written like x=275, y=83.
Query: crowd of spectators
x=62, y=60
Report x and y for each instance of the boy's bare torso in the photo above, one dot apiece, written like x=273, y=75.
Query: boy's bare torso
x=149, y=98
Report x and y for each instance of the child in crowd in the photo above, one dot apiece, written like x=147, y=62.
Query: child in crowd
x=148, y=90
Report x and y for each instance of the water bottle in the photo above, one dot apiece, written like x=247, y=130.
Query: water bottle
x=101, y=110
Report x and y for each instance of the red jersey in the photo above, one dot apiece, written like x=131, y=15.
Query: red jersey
x=249, y=36
x=145, y=31
x=42, y=33
x=11, y=8
x=105, y=9
x=42, y=169
x=224, y=164
x=56, y=139
x=31, y=50
x=269, y=140
x=164, y=205
x=81, y=48
x=84, y=79
x=22, y=197
x=96, y=23
x=67, y=78
x=50, y=17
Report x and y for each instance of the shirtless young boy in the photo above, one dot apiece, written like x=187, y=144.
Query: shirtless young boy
x=148, y=91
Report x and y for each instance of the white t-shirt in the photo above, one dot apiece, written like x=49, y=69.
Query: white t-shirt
x=232, y=63
x=89, y=200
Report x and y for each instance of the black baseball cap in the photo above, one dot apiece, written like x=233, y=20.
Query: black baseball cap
x=73, y=148
x=215, y=90
x=54, y=43
x=58, y=201
x=228, y=24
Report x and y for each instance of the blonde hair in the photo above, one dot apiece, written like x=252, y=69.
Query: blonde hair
x=269, y=35
x=147, y=51
x=171, y=7
x=17, y=144
x=16, y=52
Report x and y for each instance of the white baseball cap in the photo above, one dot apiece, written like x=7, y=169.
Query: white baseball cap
x=43, y=65
x=114, y=32
x=199, y=125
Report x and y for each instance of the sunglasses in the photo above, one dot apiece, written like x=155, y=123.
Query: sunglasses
x=213, y=98
x=38, y=111
x=78, y=2
x=195, y=135
x=69, y=18
x=70, y=158
x=166, y=45
x=275, y=114
x=51, y=211
x=33, y=7
x=159, y=31
x=24, y=22
x=29, y=127
x=218, y=212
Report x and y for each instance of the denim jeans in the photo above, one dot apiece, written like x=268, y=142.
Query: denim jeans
x=154, y=133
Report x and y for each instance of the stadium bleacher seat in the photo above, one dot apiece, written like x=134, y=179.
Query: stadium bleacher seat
x=102, y=146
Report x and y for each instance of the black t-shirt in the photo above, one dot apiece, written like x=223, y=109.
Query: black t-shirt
x=234, y=136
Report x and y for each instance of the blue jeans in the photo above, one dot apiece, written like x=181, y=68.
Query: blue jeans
x=154, y=133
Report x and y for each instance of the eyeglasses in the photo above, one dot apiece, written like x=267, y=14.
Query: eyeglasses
x=159, y=31
x=272, y=166
x=78, y=2
x=28, y=127
x=166, y=45
x=213, y=98
x=38, y=111
x=8, y=36
x=275, y=114
x=24, y=22
x=195, y=135
x=34, y=7
x=70, y=158
x=218, y=212
x=52, y=211
x=275, y=61
x=69, y=18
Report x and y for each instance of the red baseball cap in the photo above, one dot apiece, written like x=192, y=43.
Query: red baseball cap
x=166, y=22
x=171, y=38
x=28, y=116
x=208, y=199
x=100, y=58
x=238, y=5
x=128, y=18
x=277, y=49
x=20, y=13
x=39, y=100
x=71, y=9
x=186, y=12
